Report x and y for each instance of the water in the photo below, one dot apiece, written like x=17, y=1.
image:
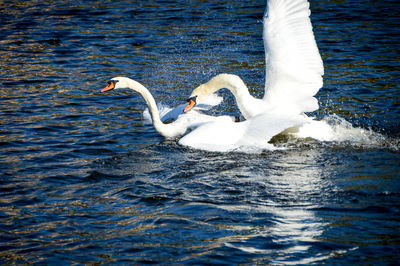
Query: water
x=84, y=180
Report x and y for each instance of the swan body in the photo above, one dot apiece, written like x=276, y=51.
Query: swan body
x=294, y=66
x=252, y=135
x=180, y=126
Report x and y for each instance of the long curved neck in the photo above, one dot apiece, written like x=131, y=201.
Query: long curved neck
x=246, y=103
x=166, y=130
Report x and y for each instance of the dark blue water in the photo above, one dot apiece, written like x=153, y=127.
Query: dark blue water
x=83, y=180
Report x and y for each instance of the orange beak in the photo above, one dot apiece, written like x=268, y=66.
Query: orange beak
x=190, y=105
x=109, y=86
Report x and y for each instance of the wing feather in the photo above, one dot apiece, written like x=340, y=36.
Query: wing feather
x=294, y=66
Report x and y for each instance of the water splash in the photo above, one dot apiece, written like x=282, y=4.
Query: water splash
x=162, y=109
x=335, y=129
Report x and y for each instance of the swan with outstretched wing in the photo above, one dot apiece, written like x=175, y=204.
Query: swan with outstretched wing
x=294, y=66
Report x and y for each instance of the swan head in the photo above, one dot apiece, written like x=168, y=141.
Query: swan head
x=199, y=95
x=117, y=83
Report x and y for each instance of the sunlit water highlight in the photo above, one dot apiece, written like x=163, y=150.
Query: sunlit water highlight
x=85, y=180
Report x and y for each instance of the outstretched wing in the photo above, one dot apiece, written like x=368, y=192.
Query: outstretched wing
x=294, y=66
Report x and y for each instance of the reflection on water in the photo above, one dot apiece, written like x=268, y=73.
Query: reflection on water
x=287, y=199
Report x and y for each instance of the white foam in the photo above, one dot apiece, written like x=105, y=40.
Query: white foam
x=319, y=130
x=334, y=128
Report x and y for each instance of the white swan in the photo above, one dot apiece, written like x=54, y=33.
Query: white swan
x=180, y=126
x=294, y=66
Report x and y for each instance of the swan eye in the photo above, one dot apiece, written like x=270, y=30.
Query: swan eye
x=193, y=98
x=114, y=81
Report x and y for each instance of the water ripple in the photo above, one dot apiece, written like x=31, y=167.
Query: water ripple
x=84, y=181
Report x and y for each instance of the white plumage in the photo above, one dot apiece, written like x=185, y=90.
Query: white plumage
x=294, y=72
x=294, y=66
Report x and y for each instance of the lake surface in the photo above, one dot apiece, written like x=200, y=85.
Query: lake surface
x=84, y=180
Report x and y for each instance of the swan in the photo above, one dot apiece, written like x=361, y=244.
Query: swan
x=294, y=67
x=180, y=126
